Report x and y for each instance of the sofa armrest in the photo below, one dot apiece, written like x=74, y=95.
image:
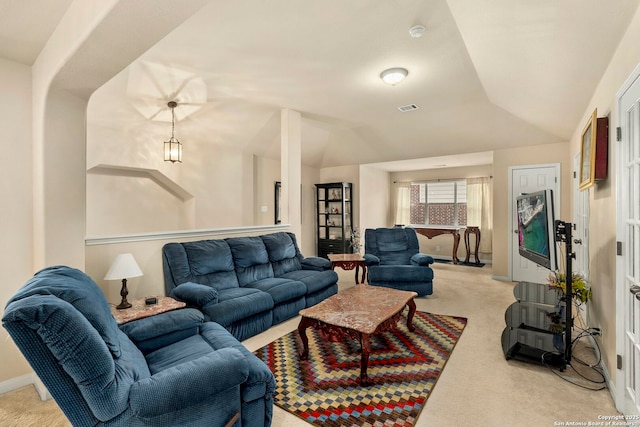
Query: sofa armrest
x=195, y=294
x=163, y=329
x=315, y=263
x=189, y=383
x=370, y=260
x=421, y=259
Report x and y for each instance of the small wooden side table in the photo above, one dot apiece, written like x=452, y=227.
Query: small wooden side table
x=140, y=310
x=349, y=262
x=475, y=231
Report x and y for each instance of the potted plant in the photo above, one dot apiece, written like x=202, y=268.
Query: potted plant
x=355, y=240
x=581, y=293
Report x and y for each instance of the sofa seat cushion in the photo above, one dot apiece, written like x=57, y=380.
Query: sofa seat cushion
x=236, y=304
x=261, y=380
x=400, y=273
x=280, y=289
x=312, y=279
x=180, y=352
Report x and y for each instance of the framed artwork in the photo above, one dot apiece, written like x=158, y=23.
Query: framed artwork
x=594, y=151
x=588, y=152
x=276, y=205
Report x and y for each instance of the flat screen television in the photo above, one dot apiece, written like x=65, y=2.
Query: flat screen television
x=536, y=228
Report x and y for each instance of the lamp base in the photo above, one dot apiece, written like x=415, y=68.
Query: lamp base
x=123, y=293
x=123, y=305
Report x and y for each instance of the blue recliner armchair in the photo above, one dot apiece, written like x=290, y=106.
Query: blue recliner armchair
x=393, y=260
x=172, y=369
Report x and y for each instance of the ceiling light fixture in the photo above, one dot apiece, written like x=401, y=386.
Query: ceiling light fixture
x=393, y=76
x=416, y=31
x=172, y=147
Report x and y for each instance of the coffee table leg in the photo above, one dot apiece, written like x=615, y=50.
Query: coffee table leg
x=412, y=310
x=365, y=345
x=305, y=322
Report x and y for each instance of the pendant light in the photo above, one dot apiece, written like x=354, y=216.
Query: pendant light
x=172, y=147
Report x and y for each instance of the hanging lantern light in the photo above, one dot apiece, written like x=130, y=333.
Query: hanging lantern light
x=173, y=147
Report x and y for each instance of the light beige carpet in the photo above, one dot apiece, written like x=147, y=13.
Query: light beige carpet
x=24, y=408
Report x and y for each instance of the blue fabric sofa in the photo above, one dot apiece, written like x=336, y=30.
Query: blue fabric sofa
x=247, y=284
x=393, y=259
x=172, y=369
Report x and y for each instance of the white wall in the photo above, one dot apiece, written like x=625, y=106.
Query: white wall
x=16, y=217
x=375, y=200
x=602, y=204
x=220, y=180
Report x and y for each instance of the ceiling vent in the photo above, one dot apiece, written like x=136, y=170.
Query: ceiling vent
x=409, y=107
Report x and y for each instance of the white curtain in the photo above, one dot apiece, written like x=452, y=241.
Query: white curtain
x=403, y=204
x=480, y=210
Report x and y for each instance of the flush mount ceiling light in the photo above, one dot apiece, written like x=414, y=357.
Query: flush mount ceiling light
x=393, y=76
x=172, y=147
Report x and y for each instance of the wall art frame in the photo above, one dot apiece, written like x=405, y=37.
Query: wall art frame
x=594, y=149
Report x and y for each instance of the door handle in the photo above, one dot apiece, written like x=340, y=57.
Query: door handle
x=577, y=241
x=515, y=231
x=635, y=290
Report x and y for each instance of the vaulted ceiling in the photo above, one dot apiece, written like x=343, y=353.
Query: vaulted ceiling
x=486, y=74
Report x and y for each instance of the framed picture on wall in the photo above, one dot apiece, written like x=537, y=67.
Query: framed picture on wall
x=587, y=150
x=276, y=204
x=594, y=151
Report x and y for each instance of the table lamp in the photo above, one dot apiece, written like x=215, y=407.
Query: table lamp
x=123, y=267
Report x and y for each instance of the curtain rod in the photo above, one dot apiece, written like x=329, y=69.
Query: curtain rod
x=442, y=179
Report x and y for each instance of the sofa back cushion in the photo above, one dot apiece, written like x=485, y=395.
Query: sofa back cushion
x=394, y=246
x=283, y=252
x=207, y=262
x=251, y=259
x=79, y=290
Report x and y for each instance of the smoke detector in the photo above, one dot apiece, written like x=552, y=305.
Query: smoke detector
x=416, y=31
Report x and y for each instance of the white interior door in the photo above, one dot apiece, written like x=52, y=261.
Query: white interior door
x=581, y=231
x=528, y=179
x=628, y=234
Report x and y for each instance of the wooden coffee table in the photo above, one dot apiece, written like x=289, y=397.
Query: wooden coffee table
x=357, y=313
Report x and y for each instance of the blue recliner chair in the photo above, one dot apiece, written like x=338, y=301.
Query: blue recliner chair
x=172, y=369
x=393, y=260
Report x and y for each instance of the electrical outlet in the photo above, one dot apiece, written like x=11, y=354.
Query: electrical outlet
x=438, y=248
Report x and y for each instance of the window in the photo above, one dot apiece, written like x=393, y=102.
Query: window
x=439, y=203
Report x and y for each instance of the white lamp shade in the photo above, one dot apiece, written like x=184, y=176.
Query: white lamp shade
x=123, y=267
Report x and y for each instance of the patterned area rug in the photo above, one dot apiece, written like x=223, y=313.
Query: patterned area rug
x=404, y=367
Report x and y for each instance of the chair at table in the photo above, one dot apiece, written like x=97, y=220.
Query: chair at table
x=172, y=369
x=393, y=259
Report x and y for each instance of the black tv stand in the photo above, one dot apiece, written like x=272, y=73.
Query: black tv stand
x=529, y=354
x=539, y=323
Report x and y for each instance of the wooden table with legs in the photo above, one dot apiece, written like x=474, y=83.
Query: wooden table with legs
x=349, y=262
x=432, y=231
x=357, y=313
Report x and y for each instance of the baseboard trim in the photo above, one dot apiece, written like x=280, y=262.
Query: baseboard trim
x=501, y=278
x=607, y=378
x=23, y=381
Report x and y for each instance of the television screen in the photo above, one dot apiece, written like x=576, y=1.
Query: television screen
x=536, y=228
